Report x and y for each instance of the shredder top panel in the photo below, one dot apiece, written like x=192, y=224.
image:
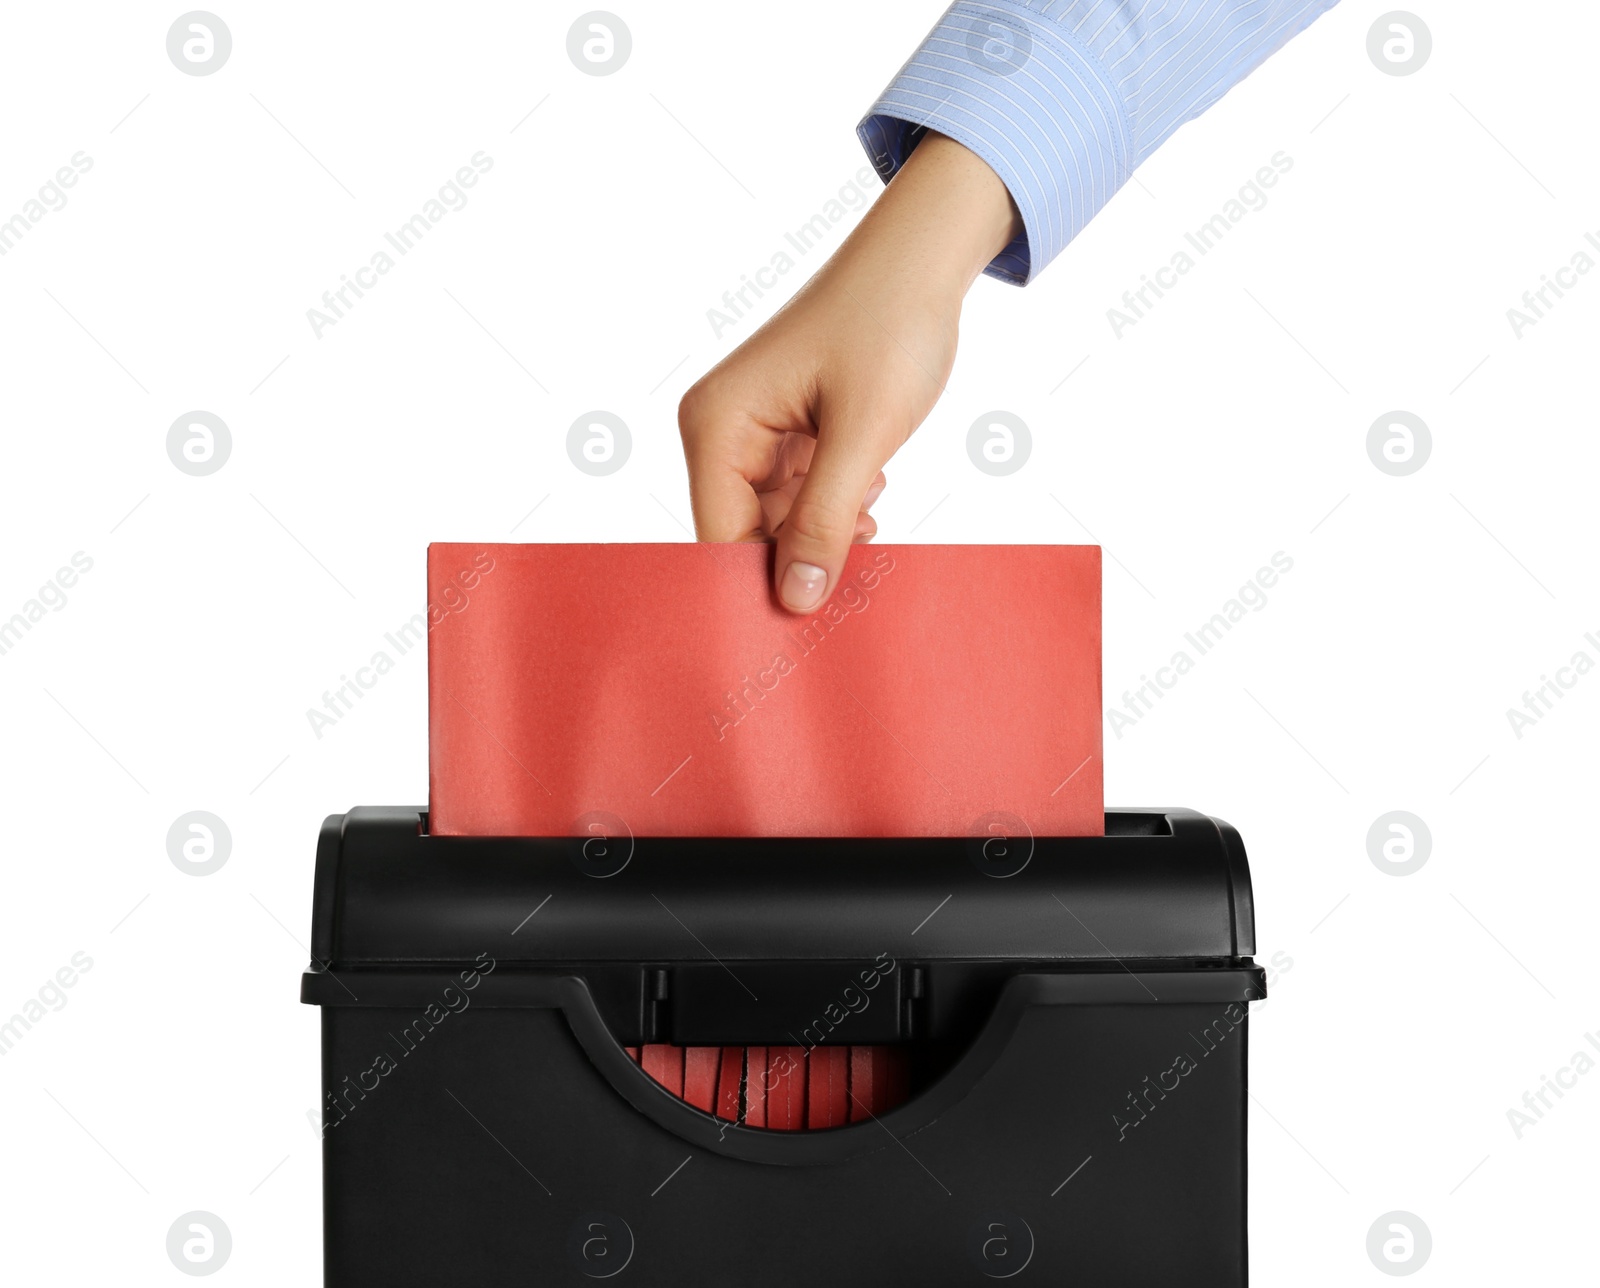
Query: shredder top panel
x=1160, y=884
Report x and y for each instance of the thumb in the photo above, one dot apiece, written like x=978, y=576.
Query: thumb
x=822, y=523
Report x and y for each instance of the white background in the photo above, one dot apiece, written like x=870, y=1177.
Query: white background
x=1229, y=424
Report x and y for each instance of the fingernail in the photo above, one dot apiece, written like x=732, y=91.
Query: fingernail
x=802, y=586
x=873, y=493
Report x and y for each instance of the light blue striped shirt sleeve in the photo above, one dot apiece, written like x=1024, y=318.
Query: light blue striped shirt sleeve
x=1064, y=98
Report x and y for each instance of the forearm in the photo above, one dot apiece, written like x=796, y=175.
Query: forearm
x=942, y=219
x=1064, y=100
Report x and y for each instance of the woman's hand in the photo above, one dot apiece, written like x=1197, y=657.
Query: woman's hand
x=786, y=437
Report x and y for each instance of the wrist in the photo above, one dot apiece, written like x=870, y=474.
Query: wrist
x=942, y=219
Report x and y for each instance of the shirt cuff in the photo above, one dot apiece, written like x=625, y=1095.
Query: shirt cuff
x=1020, y=91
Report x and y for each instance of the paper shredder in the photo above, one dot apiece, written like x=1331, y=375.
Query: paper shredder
x=1074, y=1013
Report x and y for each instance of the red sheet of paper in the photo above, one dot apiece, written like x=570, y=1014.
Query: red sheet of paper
x=786, y=1088
x=866, y=1081
x=729, y=1082
x=664, y=1064
x=828, y=1087
x=701, y=1066
x=587, y=689
x=755, y=1087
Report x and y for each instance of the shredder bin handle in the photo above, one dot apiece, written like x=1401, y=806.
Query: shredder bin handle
x=570, y=994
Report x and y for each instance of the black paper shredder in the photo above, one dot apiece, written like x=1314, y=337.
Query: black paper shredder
x=1074, y=1012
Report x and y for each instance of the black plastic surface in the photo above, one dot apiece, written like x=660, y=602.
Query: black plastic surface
x=1081, y=1029
x=476, y=1160
x=1162, y=884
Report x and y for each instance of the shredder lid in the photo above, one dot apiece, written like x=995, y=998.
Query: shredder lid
x=1161, y=884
